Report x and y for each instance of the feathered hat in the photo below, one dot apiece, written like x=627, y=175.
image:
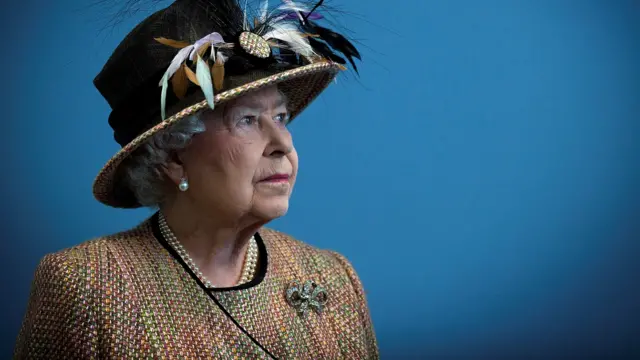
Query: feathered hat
x=196, y=54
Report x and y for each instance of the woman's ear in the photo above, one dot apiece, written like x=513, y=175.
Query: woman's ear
x=174, y=169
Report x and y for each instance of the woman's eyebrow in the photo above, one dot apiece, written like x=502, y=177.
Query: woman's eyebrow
x=256, y=106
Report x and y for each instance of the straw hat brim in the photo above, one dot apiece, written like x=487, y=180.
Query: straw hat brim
x=300, y=85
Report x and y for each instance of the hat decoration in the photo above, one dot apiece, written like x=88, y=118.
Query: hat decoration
x=286, y=35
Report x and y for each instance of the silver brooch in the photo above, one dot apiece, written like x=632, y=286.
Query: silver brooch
x=309, y=295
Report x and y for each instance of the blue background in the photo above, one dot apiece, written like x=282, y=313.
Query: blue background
x=482, y=174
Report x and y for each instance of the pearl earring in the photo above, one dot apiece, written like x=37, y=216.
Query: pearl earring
x=184, y=184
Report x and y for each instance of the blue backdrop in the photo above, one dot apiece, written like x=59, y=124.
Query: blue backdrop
x=482, y=174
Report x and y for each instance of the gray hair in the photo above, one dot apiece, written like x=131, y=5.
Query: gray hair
x=144, y=174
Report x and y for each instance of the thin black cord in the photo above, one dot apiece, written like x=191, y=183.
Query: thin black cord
x=215, y=300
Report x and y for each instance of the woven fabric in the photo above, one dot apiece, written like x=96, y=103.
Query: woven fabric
x=126, y=296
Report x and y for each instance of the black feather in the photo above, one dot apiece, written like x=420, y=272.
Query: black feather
x=325, y=51
x=332, y=38
x=355, y=68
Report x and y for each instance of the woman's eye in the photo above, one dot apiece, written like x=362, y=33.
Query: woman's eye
x=248, y=120
x=282, y=118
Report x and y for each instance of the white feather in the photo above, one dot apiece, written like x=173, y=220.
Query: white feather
x=163, y=96
x=177, y=61
x=213, y=39
x=204, y=79
x=289, y=34
x=292, y=6
x=263, y=11
x=222, y=57
x=246, y=24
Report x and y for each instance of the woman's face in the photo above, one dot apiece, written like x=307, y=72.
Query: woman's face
x=245, y=162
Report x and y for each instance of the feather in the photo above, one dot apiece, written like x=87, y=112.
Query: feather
x=334, y=40
x=292, y=10
x=180, y=83
x=264, y=8
x=203, y=49
x=191, y=75
x=292, y=6
x=220, y=55
x=175, y=64
x=355, y=68
x=163, y=96
x=331, y=38
x=324, y=50
x=293, y=15
x=217, y=71
x=212, y=39
x=245, y=22
x=291, y=36
x=203, y=75
x=173, y=43
x=306, y=17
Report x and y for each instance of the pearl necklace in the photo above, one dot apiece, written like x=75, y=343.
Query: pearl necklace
x=248, y=268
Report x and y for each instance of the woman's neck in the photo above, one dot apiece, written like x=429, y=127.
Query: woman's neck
x=217, y=248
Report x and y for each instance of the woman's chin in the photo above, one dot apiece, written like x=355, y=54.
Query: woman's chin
x=271, y=209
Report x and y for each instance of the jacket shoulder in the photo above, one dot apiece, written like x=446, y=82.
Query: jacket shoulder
x=60, y=318
x=79, y=254
x=90, y=258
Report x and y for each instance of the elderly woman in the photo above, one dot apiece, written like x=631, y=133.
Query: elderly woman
x=201, y=97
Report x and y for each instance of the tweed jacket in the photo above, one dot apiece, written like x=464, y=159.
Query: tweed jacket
x=129, y=296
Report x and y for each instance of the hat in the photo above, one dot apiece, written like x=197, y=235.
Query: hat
x=196, y=54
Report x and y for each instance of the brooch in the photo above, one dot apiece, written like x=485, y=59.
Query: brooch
x=309, y=295
x=254, y=44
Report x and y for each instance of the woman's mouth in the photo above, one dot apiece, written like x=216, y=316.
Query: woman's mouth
x=276, y=178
